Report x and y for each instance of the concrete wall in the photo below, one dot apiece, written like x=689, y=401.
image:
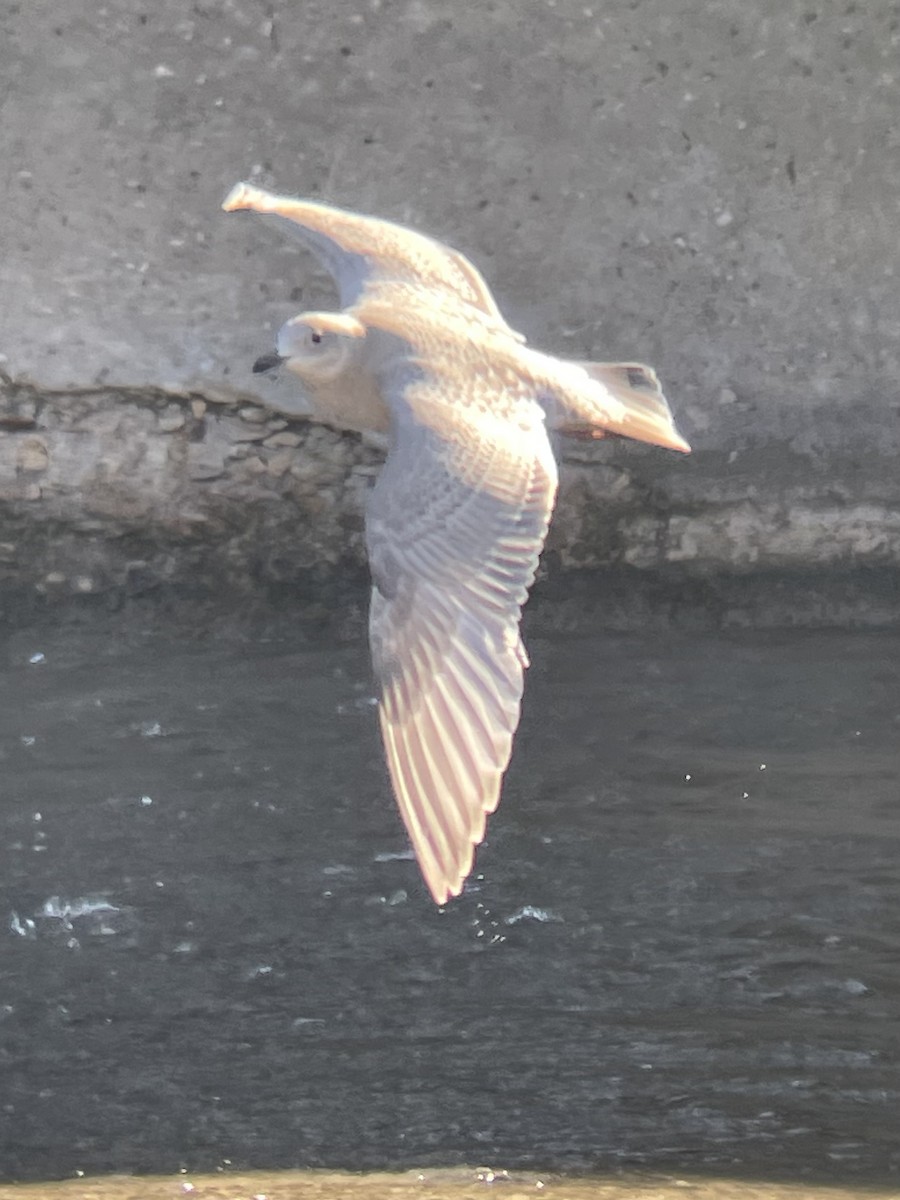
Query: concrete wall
x=712, y=186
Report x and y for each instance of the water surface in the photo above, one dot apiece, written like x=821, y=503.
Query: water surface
x=680, y=952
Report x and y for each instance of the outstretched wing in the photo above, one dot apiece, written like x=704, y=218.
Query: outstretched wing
x=454, y=529
x=359, y=250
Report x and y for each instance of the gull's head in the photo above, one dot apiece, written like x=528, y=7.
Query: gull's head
x=316, y=346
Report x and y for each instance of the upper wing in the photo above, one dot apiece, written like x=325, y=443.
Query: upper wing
x=358, y=250
x=454, y=529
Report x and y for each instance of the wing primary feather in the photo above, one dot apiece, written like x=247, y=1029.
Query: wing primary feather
x=420, y=793
x=406, y=788
x=421, y=785
x=472, y=708
x=454, y=778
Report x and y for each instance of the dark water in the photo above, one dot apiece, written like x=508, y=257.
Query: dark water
x=681, y=951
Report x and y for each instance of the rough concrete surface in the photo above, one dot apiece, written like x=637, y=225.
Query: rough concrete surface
x=709, y=185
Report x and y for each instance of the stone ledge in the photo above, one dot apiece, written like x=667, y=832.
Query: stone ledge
x=120, y=492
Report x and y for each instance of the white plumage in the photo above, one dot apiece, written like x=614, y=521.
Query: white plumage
x=459, y=514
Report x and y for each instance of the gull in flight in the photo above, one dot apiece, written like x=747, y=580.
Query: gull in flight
x=458, y=516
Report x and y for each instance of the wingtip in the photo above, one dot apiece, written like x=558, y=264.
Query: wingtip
x=442, y=890
x=448, y=881
x=242, y=196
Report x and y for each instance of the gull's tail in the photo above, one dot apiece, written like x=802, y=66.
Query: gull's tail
x=629, y=402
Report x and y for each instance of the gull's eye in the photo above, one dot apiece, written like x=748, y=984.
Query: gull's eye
x=315, y=337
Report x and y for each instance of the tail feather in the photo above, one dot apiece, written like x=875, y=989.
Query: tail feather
x=636, y=388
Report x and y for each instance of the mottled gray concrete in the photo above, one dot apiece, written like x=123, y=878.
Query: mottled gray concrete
x=709, y=186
